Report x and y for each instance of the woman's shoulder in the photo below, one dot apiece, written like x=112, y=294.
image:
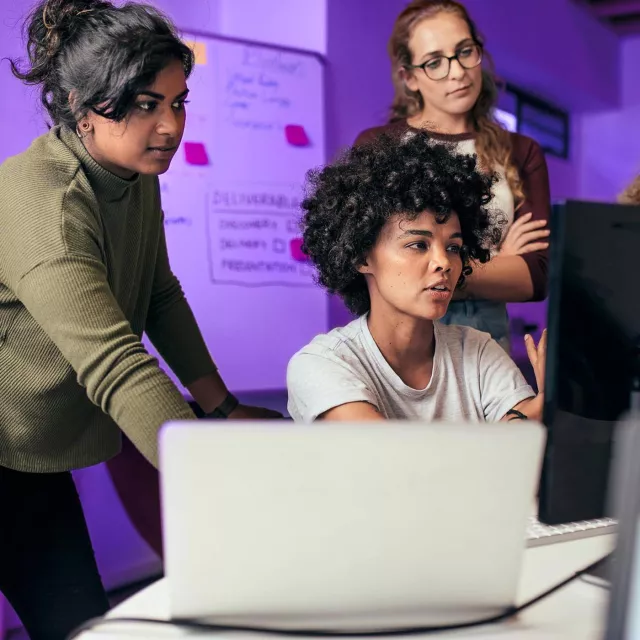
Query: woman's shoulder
x=525, y=151
x=338, y=343
x=373, y=133
x=461, y=335
x=44, y=196
x=341, y=352
x=45, y=167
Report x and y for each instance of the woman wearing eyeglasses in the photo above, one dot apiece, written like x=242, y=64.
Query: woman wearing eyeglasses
x=441, y=86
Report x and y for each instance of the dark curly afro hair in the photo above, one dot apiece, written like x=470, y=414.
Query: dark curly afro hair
x=348, y=203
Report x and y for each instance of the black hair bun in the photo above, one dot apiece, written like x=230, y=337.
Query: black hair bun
x=97, y=52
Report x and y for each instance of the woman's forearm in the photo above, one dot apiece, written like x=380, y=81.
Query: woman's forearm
x=502, y=279
x=208, y=391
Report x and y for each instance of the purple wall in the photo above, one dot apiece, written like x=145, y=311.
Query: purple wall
x=611, y=138
x=630, y=53
x=18, y=109
x=554, y=48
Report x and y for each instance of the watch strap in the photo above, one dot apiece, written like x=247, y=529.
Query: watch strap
x=225, y=408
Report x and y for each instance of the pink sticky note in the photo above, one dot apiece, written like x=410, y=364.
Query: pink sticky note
x=296, y=135
x=295, y=246
x=195, y=153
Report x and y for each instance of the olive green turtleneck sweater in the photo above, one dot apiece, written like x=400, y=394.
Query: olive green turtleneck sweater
x=83, y=273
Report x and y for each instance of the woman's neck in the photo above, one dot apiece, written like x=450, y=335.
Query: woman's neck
x=407, y=344
x=125, y=174
x=447, y=123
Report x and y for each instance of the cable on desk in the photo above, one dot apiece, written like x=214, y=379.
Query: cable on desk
x=197, y=625
x=594, y=581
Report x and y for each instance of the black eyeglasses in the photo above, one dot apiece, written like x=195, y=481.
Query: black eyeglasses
x=438, y=68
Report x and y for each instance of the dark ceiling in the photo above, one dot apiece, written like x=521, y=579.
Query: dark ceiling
x=622, y=15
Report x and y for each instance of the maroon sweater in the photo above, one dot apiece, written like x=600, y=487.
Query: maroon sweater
x=528, y=157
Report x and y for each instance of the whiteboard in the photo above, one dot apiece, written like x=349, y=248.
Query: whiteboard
x=255, y=126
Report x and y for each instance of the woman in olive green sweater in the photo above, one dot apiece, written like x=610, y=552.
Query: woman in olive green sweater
x=83, y=273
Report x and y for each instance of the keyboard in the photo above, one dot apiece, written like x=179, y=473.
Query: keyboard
x=539, y=534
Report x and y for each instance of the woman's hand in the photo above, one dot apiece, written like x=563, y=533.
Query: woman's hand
x=538, y=358
x=525, y=236
x=533, y=407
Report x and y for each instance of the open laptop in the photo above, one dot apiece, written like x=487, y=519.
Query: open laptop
x=401, y=523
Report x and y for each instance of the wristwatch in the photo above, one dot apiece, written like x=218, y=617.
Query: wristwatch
x=226, y=407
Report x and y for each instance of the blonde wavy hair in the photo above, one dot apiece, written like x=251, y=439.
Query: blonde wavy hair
x=493, y=142
x=631, y=195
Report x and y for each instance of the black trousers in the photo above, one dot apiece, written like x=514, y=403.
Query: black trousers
x=48, y=570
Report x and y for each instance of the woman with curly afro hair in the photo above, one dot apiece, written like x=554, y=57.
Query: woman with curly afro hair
x=394, y=228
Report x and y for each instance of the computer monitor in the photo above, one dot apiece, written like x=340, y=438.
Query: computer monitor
x=593, y=331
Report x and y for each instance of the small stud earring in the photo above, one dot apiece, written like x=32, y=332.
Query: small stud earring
x=83, y=129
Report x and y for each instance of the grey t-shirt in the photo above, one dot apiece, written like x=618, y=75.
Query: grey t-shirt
x=473, y=378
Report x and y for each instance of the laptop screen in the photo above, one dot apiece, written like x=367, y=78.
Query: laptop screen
x=594, y=328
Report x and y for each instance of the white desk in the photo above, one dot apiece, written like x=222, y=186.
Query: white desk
x=573, y=613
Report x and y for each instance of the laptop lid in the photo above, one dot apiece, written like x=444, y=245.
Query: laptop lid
x=279, y=523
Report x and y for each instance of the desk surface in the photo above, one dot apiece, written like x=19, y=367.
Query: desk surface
x=575, y=612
